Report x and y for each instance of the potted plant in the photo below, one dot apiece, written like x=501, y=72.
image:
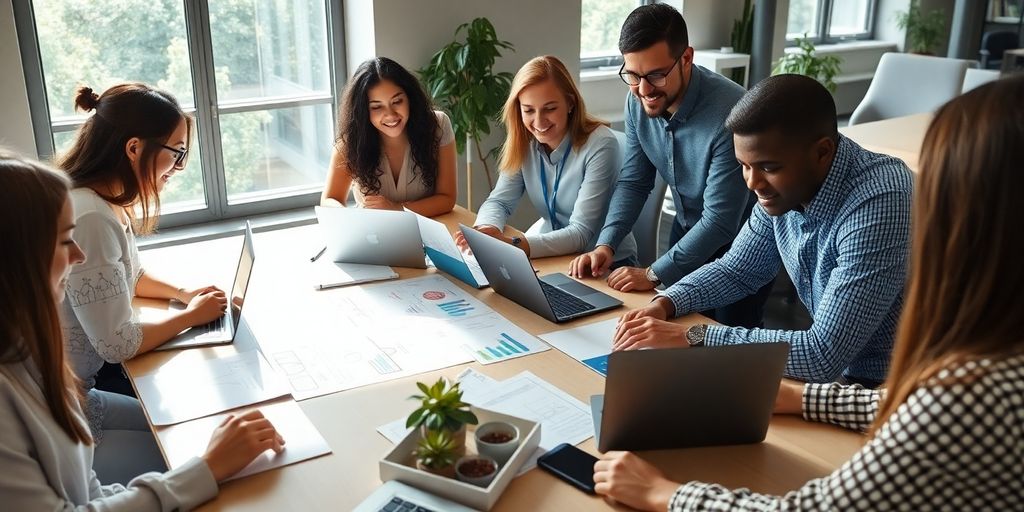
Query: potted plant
x=821, y=68
x=461, y=79
x=742, y=38
x=478, y=470
x=497, y=440
x=435, y=453
x=924, y=29
x=441, y=408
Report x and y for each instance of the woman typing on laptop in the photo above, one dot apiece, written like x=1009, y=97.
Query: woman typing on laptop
x=46, y=450
x=948, y=429
x=123, y=156
x=565, y=161
x=396, y=151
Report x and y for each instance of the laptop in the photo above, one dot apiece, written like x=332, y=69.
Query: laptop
x=395, y=496
x=685, y=397
x=223, y=329
x=446, y=256
x=556, y=297
x=374, y=237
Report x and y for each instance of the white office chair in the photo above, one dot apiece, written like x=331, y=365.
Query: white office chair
x=978, y=77
x=645, y=230
x=906, y=84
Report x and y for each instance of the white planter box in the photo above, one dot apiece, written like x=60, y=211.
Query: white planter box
x=399, y=464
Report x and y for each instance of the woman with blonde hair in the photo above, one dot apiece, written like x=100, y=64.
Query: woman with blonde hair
x=947, y=432
x=565, y=160
x=46, y=450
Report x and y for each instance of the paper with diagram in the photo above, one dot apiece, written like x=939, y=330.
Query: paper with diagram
x=189, y=387
x=589, y=344
x=370, y=334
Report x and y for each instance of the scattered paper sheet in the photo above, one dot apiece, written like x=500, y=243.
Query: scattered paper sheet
x=189, y=386
x=331, y=274
x=563, y=418
x=302, y=440
x=589, y=344
x=371, y=334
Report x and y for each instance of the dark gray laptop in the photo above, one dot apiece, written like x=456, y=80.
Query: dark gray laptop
x=684, y=397
x=222, y=330
x=556, y=297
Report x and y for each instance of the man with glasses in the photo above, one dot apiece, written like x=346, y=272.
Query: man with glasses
x=675, y=126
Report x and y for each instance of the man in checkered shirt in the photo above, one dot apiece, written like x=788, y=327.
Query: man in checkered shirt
x=834, y=214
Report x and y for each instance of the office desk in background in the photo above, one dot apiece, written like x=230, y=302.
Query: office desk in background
x=900, y=137
x=794, y=451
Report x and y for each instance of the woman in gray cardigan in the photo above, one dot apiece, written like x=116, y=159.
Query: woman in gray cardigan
x=46, y=448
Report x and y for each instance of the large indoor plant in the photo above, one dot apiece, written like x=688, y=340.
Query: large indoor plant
x=442, y=409
x=924, y=29
x=821, y=68
x=462, y=81
x=742, y=38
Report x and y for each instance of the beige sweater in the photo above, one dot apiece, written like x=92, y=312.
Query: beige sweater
x=43, y=469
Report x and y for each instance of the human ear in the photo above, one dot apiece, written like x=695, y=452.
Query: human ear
x=133, y=149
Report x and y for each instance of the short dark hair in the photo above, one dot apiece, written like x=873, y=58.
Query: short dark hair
x=650, y=24
x=796, y=105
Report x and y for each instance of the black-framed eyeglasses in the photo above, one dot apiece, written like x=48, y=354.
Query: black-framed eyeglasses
x=179, y=155
x=657, y=79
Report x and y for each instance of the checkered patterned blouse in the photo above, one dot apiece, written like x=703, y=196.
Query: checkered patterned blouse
x=957, y=443
x=847, y=256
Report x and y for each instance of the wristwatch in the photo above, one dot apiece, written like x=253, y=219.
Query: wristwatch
x=695, y=334
x=516, y=241
x=651, y=276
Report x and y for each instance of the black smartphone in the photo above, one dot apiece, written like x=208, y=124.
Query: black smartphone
x=570, y=464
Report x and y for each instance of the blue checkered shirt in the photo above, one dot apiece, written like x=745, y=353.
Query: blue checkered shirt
x=847, y=256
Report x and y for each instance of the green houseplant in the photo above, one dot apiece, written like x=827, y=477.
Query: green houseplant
x=924, y=29
x=461, y=79
x=442, y=409
x=821, y=68
x=742, y=37
x=436, y=453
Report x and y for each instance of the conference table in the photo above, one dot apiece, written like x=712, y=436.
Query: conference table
x=793, y=452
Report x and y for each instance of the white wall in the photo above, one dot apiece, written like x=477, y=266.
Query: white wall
x=16, y=127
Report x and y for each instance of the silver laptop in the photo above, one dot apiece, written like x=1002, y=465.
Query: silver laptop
x=223, y=329
x=374, y=237
x=683, y=397
x=446, y=256
x=395, y=496
x=556, y=297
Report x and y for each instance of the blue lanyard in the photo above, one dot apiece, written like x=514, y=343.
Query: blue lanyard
x=554, y=194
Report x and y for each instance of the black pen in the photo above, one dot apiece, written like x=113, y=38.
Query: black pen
x=318, y=254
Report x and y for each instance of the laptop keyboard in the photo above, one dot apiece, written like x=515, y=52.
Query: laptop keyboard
x=399, y=505
x=564, y=304
x=218, y=325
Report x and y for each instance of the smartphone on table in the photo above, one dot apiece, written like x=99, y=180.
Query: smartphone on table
x=571, y=464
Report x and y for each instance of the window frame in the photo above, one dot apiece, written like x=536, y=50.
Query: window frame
x=207, y=112
x=610, y=60
x=823, y=25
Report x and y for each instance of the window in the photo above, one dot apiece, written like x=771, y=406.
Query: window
x=599, y=31
x=257, y=75
x=830, y=21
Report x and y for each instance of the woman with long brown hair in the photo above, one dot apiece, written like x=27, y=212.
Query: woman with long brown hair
x=947, y=432
x=564, y=160
x=46, y=450
x=136, y=139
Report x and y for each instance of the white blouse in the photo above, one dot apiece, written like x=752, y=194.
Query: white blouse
x=98, y=320
x=409, y=186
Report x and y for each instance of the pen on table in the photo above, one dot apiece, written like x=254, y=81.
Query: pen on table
x=318, y=254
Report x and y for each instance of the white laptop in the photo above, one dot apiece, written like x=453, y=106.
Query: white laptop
x=221, y=330
x=373, y=237
x=441, y=248
x=395, y=496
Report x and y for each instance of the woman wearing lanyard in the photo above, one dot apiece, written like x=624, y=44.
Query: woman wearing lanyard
x=566, y=162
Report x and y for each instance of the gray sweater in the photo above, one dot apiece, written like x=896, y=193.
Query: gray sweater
x=43, y=469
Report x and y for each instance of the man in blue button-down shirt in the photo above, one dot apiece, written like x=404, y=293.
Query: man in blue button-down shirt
x=675, y=126
x=834, y=214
